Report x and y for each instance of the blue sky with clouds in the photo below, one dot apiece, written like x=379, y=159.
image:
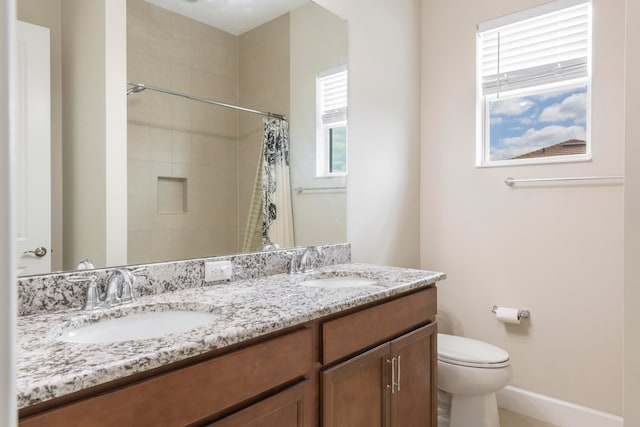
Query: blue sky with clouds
x=528, y=123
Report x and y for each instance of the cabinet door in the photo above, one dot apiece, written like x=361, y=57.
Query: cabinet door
x=414, y=397
x=292, y=407
x=355, y=393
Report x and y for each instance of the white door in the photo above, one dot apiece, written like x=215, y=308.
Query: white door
x=33, y=153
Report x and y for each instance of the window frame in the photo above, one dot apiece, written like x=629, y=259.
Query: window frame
x=323, y=131
x=483, y=100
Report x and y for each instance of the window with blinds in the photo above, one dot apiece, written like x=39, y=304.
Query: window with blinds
x=533, y=78
x=331, y=151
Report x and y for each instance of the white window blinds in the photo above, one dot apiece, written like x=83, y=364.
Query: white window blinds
x=333, y=96
x=549, y=44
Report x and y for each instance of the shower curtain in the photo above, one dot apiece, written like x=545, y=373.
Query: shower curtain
x=277, y=214
x=253, y=231
x=271, y=215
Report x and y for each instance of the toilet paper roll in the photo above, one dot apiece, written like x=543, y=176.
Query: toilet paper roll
x=508, y=315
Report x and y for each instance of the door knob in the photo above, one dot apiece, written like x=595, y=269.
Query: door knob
x=39, y=252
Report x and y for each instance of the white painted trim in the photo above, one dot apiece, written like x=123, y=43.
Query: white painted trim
x=554, y=411
x=532, y=12
x=8, y=405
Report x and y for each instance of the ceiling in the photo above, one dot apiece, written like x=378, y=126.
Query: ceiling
x=233, y=16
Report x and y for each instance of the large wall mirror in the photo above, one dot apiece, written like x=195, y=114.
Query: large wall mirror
x=191, y=167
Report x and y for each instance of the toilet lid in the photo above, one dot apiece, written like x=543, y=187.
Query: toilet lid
x=470, y=352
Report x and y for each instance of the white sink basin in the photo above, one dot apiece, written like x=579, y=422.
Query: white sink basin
x=138, y=326
x=341, y=283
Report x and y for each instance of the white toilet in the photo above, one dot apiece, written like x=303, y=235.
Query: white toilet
x=469, y=374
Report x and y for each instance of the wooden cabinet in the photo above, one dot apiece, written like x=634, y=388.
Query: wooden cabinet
x=354, y=392
x=365, y=367
x=352, y=333
x=390, y=385
x=414, y=399
x=289, y=408
x=194, y=394
x=386, y=371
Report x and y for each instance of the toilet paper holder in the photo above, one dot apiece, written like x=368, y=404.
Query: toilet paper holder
x=522, y=314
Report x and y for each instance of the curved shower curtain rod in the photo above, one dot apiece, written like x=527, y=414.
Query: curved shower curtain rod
x=139, y=87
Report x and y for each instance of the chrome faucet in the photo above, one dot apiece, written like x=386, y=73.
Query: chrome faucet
x=300, y=264
x=120, y=288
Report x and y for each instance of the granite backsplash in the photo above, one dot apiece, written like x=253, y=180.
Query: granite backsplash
x=53, y=292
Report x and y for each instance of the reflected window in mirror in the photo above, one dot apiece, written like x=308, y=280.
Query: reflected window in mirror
x=331, y=124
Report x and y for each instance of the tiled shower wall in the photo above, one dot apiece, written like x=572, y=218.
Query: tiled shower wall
x=212, y=150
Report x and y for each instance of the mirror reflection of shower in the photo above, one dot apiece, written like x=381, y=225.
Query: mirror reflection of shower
x=203, y=162
x=269, y=222
x=195, y=166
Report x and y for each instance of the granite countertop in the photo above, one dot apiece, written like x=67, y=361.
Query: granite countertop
x=243, y=309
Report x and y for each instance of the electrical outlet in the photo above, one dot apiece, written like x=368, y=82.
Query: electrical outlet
x=217, y=270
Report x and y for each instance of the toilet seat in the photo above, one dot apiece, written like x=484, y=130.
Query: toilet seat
x=463, y=351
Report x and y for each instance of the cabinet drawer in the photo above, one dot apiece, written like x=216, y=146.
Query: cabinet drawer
x=289, y=408
x=350, y=334
x=190, y=394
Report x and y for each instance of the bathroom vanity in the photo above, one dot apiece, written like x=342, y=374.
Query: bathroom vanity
x=278, y=353
x=391, y=384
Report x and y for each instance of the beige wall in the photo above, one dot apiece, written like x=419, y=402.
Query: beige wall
x=46, y=13
x=93, y=132
x=174, y=137
x=318, y=42
x=556, y=250
x=383, y=183
x=632, y=221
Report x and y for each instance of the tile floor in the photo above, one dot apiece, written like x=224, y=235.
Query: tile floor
x=512, y=419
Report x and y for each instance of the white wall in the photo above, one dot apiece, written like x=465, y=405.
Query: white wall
x=8, y=409
x=556, y=250
x=632, y=221
x=318, y=41
x=115, y=99
x=383, y=182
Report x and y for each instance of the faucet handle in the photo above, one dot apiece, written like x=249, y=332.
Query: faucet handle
x=92, y=301
x=82, y=278
x=139, y=272
x=93, y=296
x=293, y=263
x=128, y=290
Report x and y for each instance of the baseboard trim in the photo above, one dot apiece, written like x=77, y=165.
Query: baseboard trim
x=554, y=411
